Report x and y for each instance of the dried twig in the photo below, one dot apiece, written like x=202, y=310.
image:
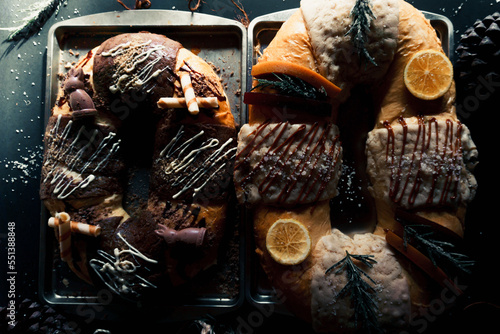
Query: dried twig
x=139, y=4
x=196, y=6
x=244, y=20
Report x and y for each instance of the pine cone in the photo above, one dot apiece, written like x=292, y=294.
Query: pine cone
x=33, y=317
x=477, y=68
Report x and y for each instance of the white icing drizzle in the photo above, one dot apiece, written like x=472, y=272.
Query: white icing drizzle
x=126, y=75
x=184, y=155
x=65, y=175
x=118, y=274
x=117, y=50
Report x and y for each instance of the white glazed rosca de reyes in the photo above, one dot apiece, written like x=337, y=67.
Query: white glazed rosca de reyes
x=415, y=157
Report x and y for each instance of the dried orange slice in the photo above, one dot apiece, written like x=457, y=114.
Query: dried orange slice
x=288, y=242
x=428, y=74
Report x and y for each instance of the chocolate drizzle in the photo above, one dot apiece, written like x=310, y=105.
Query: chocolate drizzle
x=87, y=58
x=289, y=164
x=439, y=156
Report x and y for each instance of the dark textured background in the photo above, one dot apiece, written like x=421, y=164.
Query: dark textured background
x=22, y=78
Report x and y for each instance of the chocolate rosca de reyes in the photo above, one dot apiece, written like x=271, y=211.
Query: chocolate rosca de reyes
x=178, y=113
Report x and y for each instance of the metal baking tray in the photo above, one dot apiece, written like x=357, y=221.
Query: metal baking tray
x=221, y=42
x=261, y=31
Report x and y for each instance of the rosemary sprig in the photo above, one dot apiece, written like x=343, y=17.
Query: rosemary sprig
x=38, y=14
x=291, y=86
x=437, y=251
x=362, y=16
x=359, y=290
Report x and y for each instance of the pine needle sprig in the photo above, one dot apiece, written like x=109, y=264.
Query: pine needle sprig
x=438, y=251
x=290, y=86
x=37, y=16
x=362, y=17
x=359, y=290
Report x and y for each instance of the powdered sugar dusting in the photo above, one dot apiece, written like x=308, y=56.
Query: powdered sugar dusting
x=25, y=168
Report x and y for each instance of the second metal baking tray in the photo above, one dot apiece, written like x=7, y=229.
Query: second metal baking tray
x=222, y=43
x=261, y=31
